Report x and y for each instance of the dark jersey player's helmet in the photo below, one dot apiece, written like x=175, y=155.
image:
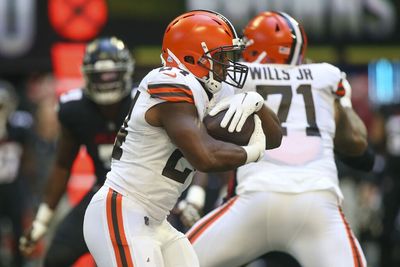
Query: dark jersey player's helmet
x=107, y=70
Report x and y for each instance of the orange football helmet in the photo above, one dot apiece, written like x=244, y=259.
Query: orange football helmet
x=205, y=43
x=274, y=37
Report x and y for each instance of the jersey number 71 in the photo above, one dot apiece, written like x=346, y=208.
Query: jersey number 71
x=284, y=106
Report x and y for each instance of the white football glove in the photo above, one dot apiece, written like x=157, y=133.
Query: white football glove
x=240, y=107
x=256, y=147
x=189, y=213
x=27, y=243
x=191, y=207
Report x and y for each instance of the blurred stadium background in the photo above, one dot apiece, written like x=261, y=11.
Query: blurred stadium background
x=41, y=47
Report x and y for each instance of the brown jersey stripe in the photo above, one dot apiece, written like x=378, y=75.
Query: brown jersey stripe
x=194, y=234
x=116, y=229
x=354, y=249
x=170, y=85
x=178, y=99
x=171, y=92
x=168, y=92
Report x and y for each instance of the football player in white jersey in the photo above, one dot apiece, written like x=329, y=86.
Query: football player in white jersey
x=163, y=140
x=290, y=201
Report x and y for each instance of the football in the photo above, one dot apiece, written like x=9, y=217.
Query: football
x=214, y=129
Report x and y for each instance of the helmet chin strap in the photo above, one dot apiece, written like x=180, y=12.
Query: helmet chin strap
x=211, y=84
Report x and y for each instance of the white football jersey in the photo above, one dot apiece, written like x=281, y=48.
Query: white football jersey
x=302, y=97
x=146, y=164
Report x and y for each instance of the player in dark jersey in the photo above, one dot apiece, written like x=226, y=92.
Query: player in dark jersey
x=15, y=129
x=91, y=117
